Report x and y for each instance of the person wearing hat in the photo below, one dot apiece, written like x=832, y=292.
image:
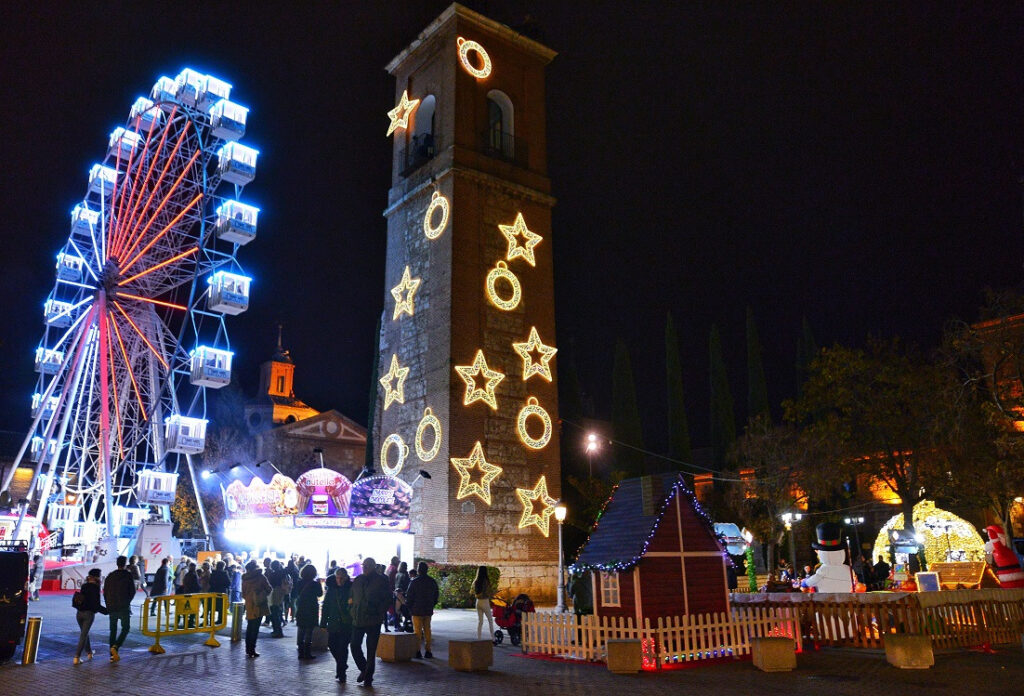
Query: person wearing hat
x=88, y=605
x=833, y=575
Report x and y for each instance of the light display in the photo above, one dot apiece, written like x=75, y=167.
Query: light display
x=404, y=293
x=431, y=421
x=394, y=392
x=465, y=48
x=540, y=367
x=530, y=239
x=393, y=440
x=530, y=498
x=469, y=374
x=533, y=408
x=400, y=114
x=501, y=272
x=437, y=203
x=946, y=536
x=466, y=466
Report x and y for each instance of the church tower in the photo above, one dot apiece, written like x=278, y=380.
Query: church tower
x=467, y=344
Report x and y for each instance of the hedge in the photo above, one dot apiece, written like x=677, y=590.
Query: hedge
x=455, y=583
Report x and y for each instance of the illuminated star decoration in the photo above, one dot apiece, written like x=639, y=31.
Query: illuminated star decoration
x=530, y=240
x=540, y=366
x=400, y=114
x=492, y=378
x=396, y=392
x=465, y=467
x=528, y=497
x=404, y=293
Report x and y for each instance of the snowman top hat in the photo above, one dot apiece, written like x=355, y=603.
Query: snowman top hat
x=829, y=537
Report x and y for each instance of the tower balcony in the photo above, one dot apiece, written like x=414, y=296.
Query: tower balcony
x=505, y=146
x=421, y=150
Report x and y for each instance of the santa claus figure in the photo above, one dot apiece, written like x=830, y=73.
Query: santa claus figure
x=833, y=575
x=1002, y=558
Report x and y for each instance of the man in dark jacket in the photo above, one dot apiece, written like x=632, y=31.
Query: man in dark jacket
x=370, y=599
x=220, y=583
x=337, y=619
x=118, y=591
x=161, y=584
x=421, y=598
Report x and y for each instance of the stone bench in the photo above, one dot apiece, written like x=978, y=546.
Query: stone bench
x=775, y=654
x=624, y=656
x=908, y=651
x=397, y=647
x=470, y=655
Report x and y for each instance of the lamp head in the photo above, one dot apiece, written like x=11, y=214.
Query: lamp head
x=560, y=512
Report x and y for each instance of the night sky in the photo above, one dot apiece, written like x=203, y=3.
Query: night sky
x=856, y=165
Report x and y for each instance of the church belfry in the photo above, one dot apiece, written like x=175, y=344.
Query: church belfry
x=467, y=345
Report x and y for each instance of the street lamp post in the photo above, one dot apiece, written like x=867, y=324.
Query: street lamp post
x=592, y=446
x=853, y=522
x=788, y=518
x=560, y=511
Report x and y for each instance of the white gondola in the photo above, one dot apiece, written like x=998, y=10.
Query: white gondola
x=58, y=313
x=163, y=92
x=214, y=89
x=148, y=115
x=48, y=407
x=127, y=520
x=237, y=163
x=184, y=435
x=188, y=86
x=35, y=449
x=102, y=179
x=61, y=516
x=121, y=144
x=48, y=360
x=83, y=220
x=228, y=119
x=228, y=293
x=69, y=267
x=236, y=222
x=210, y=367
x=157, y=487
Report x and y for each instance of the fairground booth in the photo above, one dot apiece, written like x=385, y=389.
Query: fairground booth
x=322, y=515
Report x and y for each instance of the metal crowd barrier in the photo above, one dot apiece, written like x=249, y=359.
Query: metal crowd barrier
x=176, y=615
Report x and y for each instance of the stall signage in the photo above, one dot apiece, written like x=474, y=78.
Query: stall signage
x=381, y=497
x=259, y=499
x=323, y=493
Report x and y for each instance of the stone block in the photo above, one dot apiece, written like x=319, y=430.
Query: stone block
x=908, y=651
x=624, y=656
x=773, y=654
x=397, y=647
x=470, y=655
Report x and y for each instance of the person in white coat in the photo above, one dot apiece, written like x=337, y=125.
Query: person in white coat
x=833, y=575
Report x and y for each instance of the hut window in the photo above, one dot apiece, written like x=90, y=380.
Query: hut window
x=610, y=589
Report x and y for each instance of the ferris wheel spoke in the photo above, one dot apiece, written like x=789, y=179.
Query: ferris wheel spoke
x=162, y=232
x=160, y=303
x=141, y=334
x=87, y=266
x=125, y=205
x=138, y=193
x=160, y=265
x=128, y=365
x=120, y=194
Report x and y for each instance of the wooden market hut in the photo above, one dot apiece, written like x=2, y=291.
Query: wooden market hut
x=653, y=553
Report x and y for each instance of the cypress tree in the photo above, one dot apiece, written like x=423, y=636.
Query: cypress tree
x=723, y=418
x=757, y=390
x=806, y=351
x=570, y=398
x=626, y=415
x=368, y=461
x=678, y=427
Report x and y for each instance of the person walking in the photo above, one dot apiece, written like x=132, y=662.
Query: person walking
x=307, y=610
x=370, y=599
x=118, y=591
x=482, y=592
x=255, y=591
x=421, y=598
x=161, y=582
x=136, y=571
x=337, y=619
x=87, y=608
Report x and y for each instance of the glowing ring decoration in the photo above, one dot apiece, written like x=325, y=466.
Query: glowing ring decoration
x=532, y=408
x=465, y=47
x=429, y=421
x=437, y=201
x=501, y=272
x=403, y=451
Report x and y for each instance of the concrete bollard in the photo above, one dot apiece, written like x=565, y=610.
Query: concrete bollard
x=397, y=647
x=775, y=654
x=624, y=656
x=33, y=627
x=470, y=655
x=908, y=651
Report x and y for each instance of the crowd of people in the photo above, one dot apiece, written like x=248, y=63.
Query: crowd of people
x=352, y=604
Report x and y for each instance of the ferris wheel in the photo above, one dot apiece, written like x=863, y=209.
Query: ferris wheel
x=134, y=328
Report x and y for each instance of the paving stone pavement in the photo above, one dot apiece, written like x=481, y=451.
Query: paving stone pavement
x=190, y=668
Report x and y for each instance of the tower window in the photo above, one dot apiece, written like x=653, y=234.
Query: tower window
x=280, y=384
x=422, y=146
x=499, y=138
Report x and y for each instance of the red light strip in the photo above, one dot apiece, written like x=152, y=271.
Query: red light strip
x=135, y=194
x=117, y=405
x=141, y=335
x=146, y=299
x=164, y=231
x=160, y=265
x=128, y=364
x=120, y=199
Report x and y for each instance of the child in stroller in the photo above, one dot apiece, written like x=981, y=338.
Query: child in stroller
x=509, y=615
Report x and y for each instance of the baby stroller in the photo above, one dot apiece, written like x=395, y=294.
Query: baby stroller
x=510, y=617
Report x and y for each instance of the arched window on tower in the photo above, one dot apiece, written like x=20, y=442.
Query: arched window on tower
x=421, y=136
x=501, y=128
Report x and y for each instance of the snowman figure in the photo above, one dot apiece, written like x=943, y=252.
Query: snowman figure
x=833, y=575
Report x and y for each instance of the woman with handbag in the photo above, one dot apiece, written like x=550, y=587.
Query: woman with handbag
x=255, y=591
x=337, y=619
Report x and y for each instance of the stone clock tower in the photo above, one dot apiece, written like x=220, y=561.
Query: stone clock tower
x=467, y=344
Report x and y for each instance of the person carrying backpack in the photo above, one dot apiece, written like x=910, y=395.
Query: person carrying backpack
x=86, y=602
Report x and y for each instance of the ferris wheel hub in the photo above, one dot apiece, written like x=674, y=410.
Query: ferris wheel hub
x=111, y=275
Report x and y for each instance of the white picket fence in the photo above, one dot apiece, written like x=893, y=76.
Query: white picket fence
x=670, y=640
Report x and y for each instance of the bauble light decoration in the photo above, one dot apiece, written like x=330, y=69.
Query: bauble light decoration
x=501, y=272
x=431, y=421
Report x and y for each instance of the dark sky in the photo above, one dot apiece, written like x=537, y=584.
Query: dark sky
x=855, y=164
